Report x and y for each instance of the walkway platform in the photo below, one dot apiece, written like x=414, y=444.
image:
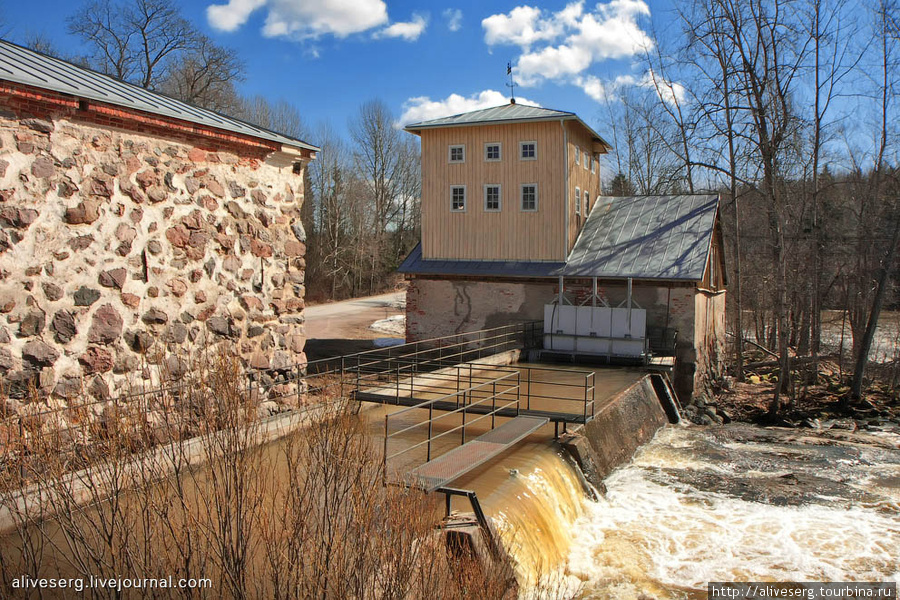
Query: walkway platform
x=452, y=465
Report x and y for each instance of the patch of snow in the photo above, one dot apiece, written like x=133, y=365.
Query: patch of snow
x=395, y=325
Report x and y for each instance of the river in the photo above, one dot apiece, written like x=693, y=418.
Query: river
x=700, y=504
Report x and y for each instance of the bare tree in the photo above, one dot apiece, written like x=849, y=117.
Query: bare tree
x=888, y=36
x=151, y=44
x=386, y=166
x=280, y=116
x=205, y=76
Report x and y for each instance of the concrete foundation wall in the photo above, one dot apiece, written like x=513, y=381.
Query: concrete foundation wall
x=119, y=250
x=439, y=307
x=611, y=439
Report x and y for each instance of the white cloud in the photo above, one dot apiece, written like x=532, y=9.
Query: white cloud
x=668, y=91
x=228, y=17
x=409, y=31
x=523, y=26
x=601, y=90
x=302, y=19
x=563, y=45
x=453, y=16
x=423, y=108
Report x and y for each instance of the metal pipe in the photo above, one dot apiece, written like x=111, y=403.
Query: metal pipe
x=629, y=306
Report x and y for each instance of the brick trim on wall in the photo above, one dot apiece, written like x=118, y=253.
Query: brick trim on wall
x=30, y=101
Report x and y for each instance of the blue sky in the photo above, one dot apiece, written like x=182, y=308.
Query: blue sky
x=424, y=60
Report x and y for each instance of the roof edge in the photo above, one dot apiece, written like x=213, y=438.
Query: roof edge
x=416, y=128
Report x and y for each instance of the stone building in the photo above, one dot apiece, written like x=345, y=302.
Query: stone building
x=513, y=225
x=135, y=227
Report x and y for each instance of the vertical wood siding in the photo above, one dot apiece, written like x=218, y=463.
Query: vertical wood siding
x=511, y=233
x=580, y=178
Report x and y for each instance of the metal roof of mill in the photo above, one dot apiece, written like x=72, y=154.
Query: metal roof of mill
x=21, y=65
x=506, y=113
x=640, y=237
x=646, y=237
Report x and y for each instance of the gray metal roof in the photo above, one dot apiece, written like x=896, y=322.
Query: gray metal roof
x=28, y=67
x=416, y=265
x=646, y=237
x=506, y=113
x=640, y=237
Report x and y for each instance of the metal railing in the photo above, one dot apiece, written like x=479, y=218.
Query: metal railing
x=564, y=392
x=167, y=409
x=484, y=395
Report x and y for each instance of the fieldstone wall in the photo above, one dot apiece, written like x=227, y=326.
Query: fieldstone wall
x=119, y=250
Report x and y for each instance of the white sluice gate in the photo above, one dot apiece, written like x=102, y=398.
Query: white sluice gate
x=596, y=330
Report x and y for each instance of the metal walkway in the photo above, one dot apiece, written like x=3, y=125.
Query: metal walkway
x=440, y=472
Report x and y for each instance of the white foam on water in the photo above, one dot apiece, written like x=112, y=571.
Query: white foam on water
x=667, y=539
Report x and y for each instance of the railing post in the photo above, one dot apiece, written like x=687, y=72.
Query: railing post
x=397, y=383
x=493, y=402
x=341, y=377
x=430, y=429
x=465, y=408
x=528, y=401
x=384, y=457
x=297, y=385
x=586, y=377
x=518, y=392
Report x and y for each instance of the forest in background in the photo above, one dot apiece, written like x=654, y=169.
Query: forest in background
x=786, y=108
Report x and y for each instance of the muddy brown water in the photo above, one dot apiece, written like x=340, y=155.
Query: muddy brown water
x=696, y=504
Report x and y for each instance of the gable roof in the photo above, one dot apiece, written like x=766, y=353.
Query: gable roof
x=504, y=114
x=665, y=238
x=646, y=237
x=21, y=65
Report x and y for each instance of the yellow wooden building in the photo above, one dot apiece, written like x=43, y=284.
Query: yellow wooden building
x=515, y=228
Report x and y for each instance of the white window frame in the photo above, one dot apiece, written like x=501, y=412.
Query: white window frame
x=594, y=162
x=578, y=201
x=450, y=154
x=587, y=161
x=499, y=151
x=499, y=197
x=577, y=155
x=522, y=197
x=587, y=203
x=522, y=145
x=465, y=199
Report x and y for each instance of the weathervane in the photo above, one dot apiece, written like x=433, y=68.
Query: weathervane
x=512, y=83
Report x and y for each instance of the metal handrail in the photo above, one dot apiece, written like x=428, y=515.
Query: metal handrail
x=463, y=410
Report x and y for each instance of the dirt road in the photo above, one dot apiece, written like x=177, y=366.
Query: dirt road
x=351, y=319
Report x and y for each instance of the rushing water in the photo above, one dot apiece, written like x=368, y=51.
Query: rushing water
x=733, y=503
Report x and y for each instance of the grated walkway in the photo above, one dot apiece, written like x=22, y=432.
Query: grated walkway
x=446, y=468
